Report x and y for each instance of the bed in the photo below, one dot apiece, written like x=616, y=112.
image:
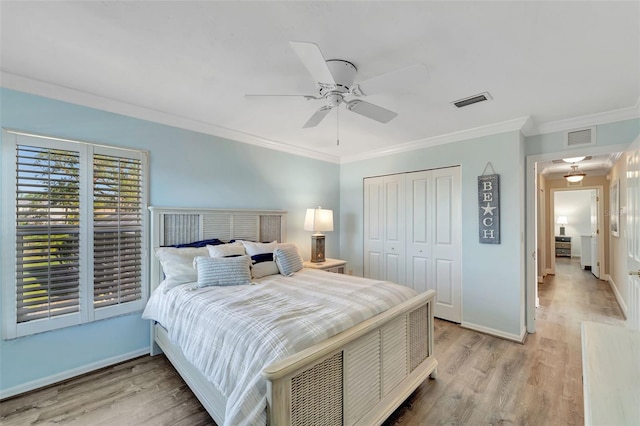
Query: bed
x=357, y=376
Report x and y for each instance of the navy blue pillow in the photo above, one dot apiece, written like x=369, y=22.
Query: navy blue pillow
x=197, y=244
x=262, y=257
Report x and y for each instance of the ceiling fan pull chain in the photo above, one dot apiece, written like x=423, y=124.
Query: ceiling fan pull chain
x=337, y=126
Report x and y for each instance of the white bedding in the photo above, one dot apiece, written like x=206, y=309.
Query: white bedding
x=231, y=333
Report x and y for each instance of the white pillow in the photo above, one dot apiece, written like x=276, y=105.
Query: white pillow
x=177, y=264
x=262, y=269
x=226, y=250
x=259, y=248
x=223, y=271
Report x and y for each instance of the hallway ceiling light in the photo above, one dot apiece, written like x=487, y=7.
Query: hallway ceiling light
x=574, y=159
x=575, y=175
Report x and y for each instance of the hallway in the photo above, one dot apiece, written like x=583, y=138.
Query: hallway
x=574, y=295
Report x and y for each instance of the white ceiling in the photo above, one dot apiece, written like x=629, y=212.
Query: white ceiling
x=191, y=63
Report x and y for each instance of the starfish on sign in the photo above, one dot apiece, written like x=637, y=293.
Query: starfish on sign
x=488, y=209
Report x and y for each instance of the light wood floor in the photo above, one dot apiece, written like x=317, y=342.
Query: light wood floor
x=482, y=380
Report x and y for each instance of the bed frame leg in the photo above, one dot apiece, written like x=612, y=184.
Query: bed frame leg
x=434, y=374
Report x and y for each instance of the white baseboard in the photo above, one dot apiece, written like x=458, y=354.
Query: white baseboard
x=496, y=333
x=619, y=299
x=64, y=375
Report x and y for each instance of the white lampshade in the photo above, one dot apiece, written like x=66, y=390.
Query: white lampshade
x=318, y=220
x=562, y=220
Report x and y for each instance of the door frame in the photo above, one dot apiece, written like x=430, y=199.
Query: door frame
x=551, y=236
x=531, y=203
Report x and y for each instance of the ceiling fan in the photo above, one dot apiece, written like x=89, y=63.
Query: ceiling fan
x=335, y=81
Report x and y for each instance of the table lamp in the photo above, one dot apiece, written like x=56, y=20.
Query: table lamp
x=562, y=220
x=318, y=221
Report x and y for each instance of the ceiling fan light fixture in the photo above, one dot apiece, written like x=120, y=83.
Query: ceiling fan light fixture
x=574, y=159
x=575, y=174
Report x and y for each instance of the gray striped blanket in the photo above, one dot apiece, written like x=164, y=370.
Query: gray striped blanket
x=231, y=333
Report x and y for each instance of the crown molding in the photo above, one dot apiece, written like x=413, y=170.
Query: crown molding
x=524, y=124
x=612, y=116
x=477, y=132
x=66, y=94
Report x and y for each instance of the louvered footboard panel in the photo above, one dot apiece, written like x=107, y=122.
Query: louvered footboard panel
x=394, y=365
x=356, y=379
x=362, y=376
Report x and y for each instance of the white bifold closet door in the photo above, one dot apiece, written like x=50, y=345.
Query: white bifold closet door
x=412, y=234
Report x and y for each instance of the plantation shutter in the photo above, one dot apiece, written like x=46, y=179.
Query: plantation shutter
x=117, y=230
x=47, y=232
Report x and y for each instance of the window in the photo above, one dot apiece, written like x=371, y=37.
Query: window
x=73, y=231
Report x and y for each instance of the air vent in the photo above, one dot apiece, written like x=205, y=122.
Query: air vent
x=472, y=100
x=574, y=183
x=580, y=137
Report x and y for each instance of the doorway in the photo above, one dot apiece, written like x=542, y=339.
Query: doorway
x=576, y=219
x=532, y=220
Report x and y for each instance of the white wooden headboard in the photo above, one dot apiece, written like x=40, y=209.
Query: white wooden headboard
x=181, y=225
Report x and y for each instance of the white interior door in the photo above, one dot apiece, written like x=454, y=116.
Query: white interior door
x=412, y=231
x=374, y=228
x=434, y=246
x=633, y=233
x=419, y=231
x=595, y=234
x=394, y=228
x=447, y=244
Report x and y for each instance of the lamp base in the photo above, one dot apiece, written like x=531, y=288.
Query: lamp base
x=317, y=248
x=562, y=230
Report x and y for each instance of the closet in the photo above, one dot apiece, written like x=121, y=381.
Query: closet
x=412, y=234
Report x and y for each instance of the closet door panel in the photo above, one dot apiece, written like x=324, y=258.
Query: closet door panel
x=447, y=251
x=394, y=228
x=413, y=234
x=444, y=209
x=374, y=228
x=419, y=233
x=444, y=284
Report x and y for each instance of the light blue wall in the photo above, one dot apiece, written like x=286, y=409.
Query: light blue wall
x=619, y=132
x=194, y=169
x=186, y=169
x=492, y=284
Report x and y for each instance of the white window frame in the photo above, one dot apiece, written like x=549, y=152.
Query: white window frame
x=87, y=313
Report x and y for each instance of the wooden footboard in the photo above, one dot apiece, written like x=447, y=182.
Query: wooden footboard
x=360, y=376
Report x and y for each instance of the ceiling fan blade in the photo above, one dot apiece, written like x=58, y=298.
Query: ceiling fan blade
x=307, y=97
x=372, y=111
x=311, y=57
x=317, y=116
x=403, y=80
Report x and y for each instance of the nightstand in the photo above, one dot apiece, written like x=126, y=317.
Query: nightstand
x=563, y=245
x=331, y=265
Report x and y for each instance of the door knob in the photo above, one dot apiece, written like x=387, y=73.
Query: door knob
x=635, y=272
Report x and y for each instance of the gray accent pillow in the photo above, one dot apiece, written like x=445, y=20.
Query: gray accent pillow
x=288, y=260
x=223, y=271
